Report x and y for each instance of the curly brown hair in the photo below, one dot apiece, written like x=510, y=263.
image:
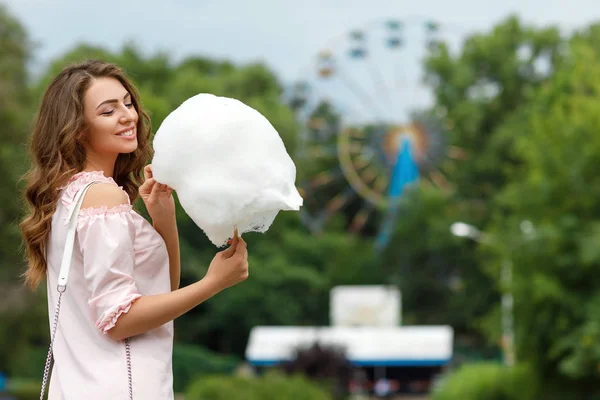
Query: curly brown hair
x=57, y=154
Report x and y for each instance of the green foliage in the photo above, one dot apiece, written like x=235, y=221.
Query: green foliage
x=485, y=381
x=272, y=386
x=19, y=311
x=452, y=280
x=29, y=364
x=22, y=389
x=306, y=270
x=478, y=89
x=275, y=386
x=440, y=279
x=220, y=388
x=525, y=104
x=14, y=55
x=557, y=187
x=190, y=362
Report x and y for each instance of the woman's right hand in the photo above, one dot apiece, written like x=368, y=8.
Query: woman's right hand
x=230, y=266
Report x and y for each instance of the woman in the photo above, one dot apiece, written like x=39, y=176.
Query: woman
x=124, y=278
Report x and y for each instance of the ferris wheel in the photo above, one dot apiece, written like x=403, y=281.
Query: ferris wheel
x=369, y=125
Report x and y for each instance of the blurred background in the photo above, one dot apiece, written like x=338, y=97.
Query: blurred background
x=447, y=155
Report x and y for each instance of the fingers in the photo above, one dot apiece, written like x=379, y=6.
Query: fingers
x=230, y=251
x=234, y=245
x=150, y=182
x=154, y=190
x=234, y=242
x=148, y=172
x=245, y=254
x=147, y=187
x=242, y=249
x=241, y=246
x=152, y=187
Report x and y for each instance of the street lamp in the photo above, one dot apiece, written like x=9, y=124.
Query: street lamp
x=462, y=229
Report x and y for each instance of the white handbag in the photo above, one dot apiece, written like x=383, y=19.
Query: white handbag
x=62, y=287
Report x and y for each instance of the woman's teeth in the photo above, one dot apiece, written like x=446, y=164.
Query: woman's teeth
x=128, y=133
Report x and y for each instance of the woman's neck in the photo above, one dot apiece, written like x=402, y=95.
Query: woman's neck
x=104, y=164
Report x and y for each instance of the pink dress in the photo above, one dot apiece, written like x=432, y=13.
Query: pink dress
x=118, y=257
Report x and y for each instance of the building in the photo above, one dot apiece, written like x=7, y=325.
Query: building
x=365, y=321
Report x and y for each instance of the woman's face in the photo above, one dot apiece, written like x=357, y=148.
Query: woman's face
x=110, y=117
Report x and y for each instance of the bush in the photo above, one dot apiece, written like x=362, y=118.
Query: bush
x=30, y=364
x=24, y=389
x=190, y=362
x=220, y=388
x=276, y=386
x=272, y=386
x=327, y=365
x=487, y=381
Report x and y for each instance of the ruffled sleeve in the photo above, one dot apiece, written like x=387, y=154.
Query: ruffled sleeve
x=106, y=239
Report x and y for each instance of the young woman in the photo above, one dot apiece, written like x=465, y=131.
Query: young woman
x=116, y=315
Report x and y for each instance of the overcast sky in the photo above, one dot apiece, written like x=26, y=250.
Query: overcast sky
x=284, y=33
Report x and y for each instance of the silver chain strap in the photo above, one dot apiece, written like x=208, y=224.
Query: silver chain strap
x=61, y=290
x=49, y=356
x=129, y=377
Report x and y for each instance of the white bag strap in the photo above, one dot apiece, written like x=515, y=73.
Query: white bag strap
x=63, y=277
x=65, y=265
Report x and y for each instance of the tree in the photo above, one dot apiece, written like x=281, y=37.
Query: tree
x=291, y=274
x=492, y=77
x=19, y=311
x=556, y=186
x=14, y=55
x=439, y=275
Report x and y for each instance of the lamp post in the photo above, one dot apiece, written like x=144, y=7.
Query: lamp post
x=462, y=229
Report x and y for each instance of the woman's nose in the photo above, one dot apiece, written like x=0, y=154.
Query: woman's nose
x=128, y=115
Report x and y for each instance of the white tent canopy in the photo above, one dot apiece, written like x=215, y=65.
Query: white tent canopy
x=368, y=346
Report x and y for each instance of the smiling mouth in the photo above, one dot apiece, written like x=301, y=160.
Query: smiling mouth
x=130, y=132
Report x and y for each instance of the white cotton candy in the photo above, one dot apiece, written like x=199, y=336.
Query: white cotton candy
x=228, y=165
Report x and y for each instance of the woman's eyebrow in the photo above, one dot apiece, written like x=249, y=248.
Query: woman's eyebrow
x=112, y=100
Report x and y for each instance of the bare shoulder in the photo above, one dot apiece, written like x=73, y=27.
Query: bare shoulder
x=104, y=195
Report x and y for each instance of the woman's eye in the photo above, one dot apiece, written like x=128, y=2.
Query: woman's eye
x=108, y=112
x=129, y=105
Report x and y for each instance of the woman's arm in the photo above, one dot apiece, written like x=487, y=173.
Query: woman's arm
x=149, y=312
x=168, y=231
x=228, y=268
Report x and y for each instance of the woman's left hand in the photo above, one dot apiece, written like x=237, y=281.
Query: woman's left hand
x=158, y=198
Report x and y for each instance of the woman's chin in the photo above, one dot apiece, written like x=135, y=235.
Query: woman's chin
x=129, y=147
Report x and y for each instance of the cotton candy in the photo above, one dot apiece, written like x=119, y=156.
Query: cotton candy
x=227, y=164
